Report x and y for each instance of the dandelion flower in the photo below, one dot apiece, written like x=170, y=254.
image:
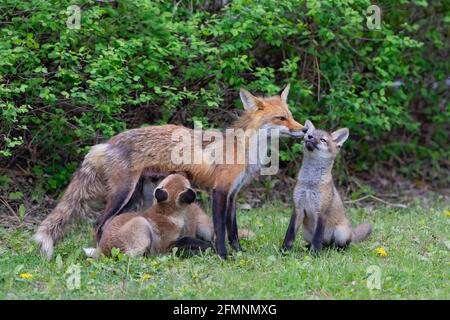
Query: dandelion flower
x=447, y=213
x=381, y=252
x=146, y=276
x=25, y=275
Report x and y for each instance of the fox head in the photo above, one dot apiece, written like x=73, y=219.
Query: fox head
x=321, y=144
x=269, y=113
x=175, y=190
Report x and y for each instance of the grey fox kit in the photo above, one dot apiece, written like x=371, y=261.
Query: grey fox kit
x=317, y=204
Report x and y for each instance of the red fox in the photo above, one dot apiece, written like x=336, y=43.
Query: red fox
x=110, y=171
x=317, y=204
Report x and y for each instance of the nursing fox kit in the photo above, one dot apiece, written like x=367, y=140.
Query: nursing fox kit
x=173, y=221
x=317, y=204
x=111, y=171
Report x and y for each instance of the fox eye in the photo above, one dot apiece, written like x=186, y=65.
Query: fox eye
x=323, y=140
x=281, y=118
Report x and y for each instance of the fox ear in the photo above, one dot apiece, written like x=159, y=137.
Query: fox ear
x=340, y=136
x=251, y=103
x=161, y=195
x=285, y=93
x=309, y=125
x=187, y=196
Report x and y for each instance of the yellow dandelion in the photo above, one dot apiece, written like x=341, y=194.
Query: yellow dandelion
x=146, y=276
x=241, y=263
x=447, y=213
x=381, y=252
x=25, y=275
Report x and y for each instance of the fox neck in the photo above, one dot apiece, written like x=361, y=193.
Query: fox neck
x=316, y=169
x=255, y=135
x=247, y=121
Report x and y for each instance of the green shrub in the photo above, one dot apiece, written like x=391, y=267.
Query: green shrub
x=136, y=63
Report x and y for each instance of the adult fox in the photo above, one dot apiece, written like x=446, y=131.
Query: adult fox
x=110, y=171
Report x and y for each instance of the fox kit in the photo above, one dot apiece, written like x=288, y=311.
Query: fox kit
x=317, y=204
x=111, y=171
x=160, y=227
x=198, y=223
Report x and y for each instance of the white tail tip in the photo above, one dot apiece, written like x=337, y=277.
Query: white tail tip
x=90, y=252
x=45, y=242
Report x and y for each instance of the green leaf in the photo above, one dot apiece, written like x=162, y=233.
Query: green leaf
x=22, y=211
x=15, y=195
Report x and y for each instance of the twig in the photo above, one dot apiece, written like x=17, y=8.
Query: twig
x=6, y=204
x=398, y=205
x=318, y=77
x=125, y=279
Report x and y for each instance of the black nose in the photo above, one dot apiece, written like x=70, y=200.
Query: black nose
x=310, y=136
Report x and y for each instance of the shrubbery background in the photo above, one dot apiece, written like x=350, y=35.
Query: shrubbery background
x=142, y=62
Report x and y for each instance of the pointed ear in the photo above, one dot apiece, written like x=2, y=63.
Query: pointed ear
x=187, y=196
x=340, y=136
x=161, y=195
x=285, y=93
x=309, y=125
x=251, y=103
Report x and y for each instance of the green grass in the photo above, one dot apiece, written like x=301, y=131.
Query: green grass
x=416, y=265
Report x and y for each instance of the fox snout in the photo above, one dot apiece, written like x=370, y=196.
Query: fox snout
x=296, y=130
x=309, y=138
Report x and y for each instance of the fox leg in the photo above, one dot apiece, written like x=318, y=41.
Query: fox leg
x=296, y=220
x=219, y=213
x=232, y=228
x=136, y=197
x=317, y=240
x=190, y=245
x=122, y=186
x=149, y=184
x=142, y=197
x=135, y=237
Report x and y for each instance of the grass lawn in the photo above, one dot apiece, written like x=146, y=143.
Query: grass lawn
x=416, y=264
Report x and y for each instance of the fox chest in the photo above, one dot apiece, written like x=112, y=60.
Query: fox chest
x=307, y=200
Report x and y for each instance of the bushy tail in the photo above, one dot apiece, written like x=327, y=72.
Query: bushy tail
x=85, y=186
x=361, y=232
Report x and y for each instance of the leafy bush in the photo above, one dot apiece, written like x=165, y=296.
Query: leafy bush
x=138, y=62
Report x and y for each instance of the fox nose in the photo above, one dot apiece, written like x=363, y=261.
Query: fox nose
x=309, y=137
